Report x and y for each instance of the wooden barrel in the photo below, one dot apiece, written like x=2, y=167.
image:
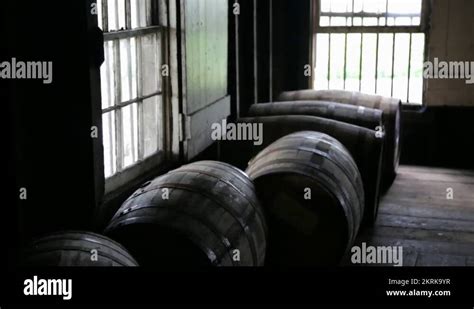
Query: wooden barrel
x=391, y=108
x=200, y=215
x=312, y=193
x=357, y=115
x=73, y=248
x=365, y=146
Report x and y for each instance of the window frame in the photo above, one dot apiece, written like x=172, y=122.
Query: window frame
x=144, y=166
x=423, y=27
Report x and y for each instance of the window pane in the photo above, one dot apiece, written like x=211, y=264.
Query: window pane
x=403, y=21
x=372, y=6
x=379, y=6
x=339, y=6
x=416, y=70
x=404, y=7
x=140, y=13
x=130, y=135
x=107, y=76
x=370, y=21
x=325, y=5
x=349, y=5
x=368, y=62
x=152, y=113
x=108, y=124
x=116, y=14
x=128, y=69
x=384, y=74
x=338, y=21
x=358, y=5
x=321, y=70
x=400, y=79
x=112, y=14
x=337, y=61
x=324, y=21
x=150, y=64
x=353, y=61
x=121, y=14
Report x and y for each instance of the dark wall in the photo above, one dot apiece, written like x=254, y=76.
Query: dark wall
x=53, y=152
x=264, y=51
x=291, y=44
x=281, y=47
x=9, y=223
x=246, y=82
x=439, y=136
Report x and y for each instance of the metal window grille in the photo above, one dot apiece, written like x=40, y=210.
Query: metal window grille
x=132, y=103
x=373, y=46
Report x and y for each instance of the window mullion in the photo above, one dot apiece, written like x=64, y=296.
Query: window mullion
x=139, y=83
x=130, y=85
x=128, y=14
x=105, y=16
x=377, y=62
x=118, y=98
x=161, y=59
x=409, y=68
x=124, y=34
x=361, y=60
x=329, y=60
x=128, y=46
x=112, y=113
x=330, y=11
x=118, y=112
x=393, y=64
x=345, y=62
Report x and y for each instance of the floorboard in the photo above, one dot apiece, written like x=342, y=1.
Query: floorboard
x=418, y=215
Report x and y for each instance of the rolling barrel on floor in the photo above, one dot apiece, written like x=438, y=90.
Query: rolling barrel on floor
x=365, y=146
x=312, y=193
x=76, y=249
x=357, y=115
x=391, y=108
x=200, y=215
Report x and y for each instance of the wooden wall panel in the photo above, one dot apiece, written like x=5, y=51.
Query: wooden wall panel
x=206, y=52
x=451, y=39
x=205, y=69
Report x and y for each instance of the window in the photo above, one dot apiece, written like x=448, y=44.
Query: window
x=132, y=100
x=373, y=46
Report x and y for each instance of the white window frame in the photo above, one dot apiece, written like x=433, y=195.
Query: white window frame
x=422, y=28
x=143, y=165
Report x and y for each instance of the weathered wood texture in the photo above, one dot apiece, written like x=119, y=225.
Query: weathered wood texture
x=76, y=249
x=418, y=215
x=204, y=27
x=312, y=230
x=391, y=108
x=206, y=53
x=192, y=218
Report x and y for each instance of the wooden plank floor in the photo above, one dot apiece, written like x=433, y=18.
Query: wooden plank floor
x=418, y=214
